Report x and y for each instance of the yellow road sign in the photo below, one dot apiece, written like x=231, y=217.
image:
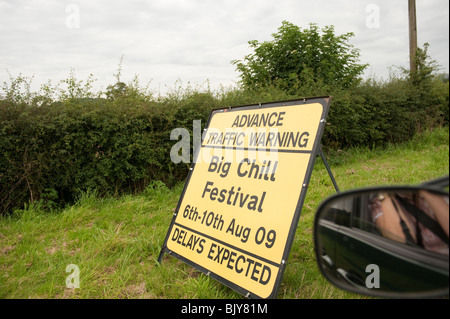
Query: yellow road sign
x=240, y=207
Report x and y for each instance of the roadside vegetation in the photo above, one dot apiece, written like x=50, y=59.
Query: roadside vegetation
x=86, y=177
x=115, y=241
x=67, y=138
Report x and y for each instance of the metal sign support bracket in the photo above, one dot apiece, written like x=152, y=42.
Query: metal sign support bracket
x=324, y=159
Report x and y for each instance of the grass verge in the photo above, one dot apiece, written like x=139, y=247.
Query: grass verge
x=115, y=241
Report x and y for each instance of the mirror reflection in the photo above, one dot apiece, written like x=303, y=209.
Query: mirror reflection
x=383, y=240
x=420, y=218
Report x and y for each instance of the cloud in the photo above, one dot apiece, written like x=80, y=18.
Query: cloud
x=194, y=40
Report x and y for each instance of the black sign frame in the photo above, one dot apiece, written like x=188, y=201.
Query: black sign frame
x=316, y=150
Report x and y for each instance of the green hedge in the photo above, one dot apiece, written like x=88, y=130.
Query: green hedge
x=53, y=151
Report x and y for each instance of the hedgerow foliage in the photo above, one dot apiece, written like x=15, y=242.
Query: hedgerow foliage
x=66, y=139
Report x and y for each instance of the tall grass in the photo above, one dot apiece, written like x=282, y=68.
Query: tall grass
x=115, y=242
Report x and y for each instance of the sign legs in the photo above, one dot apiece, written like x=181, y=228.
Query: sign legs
x=324, y=159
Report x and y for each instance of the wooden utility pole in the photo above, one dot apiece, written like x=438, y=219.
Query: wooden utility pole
x=412, y=36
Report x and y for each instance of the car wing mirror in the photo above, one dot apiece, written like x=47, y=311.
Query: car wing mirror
x=385, y=241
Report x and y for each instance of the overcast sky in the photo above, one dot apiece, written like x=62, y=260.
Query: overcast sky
x=194, y=40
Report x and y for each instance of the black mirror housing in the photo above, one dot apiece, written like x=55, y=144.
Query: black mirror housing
x=385, y=241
